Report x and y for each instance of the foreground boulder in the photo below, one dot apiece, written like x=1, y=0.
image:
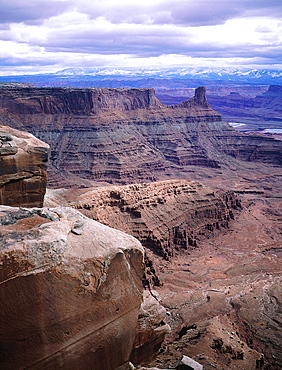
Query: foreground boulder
x=22, y=168
x=70, y=291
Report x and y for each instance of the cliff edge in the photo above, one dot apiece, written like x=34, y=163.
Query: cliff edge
x=123, y=136
x=70, y=290
x=23, y=170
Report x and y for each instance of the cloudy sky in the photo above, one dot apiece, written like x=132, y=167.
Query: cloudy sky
x=50, y=35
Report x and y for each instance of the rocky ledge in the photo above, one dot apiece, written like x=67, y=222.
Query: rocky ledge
x=70, y=291
x=167, y=217
x=23, y=172
x=114, y=135
x=92, y=101
x=123, y=136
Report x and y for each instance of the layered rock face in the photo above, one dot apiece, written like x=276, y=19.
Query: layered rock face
x=70, y=291
x=115, y=135
x=165, y=216
x=75, y=101
x=23, y=172
x=223, y=293
x=126, y=135
x=258, y=110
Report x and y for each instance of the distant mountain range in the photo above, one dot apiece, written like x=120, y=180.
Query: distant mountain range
x=77, y=77
x=190, y=73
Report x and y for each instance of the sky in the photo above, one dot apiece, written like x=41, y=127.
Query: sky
x=41, y=36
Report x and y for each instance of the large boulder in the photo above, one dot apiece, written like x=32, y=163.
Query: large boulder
x=23, y=172
x=70, y=291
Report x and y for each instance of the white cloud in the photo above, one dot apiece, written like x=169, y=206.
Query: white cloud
x=65, y=33
x=240, y=32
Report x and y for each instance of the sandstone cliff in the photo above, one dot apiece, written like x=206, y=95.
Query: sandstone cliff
x=167, y=217
x=70, y=291
x=126, y=135
x=218, y=277
x=22, y=168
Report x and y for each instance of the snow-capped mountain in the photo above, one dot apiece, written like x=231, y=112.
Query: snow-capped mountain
x=190, y=73
x=143, y=77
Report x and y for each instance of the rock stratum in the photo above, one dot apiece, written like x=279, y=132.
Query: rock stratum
x=214, y=257
x=165, y=216
x=70, y=288
x=23, y=171
x=126, y=135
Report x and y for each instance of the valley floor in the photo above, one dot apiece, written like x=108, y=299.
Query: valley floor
x=224, y=298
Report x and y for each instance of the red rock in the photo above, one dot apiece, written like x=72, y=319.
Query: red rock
x=23, y=172
x=151, y=329
x=229, y=286
x=165, y=216
x=126, y=135
x=70, y=291
x=116, y=135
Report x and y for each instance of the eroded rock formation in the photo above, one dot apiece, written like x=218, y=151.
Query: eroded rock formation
x=259, y=111
x=126, y=135
x=151, y=329
x=23, y=172
x=221, y=281
x=70, y=291
x=165, y=216
x=224, y=295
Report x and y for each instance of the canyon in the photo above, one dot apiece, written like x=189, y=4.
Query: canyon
x=123, y=136
x=203, y=199
x=256, y=107
x=214, y=258
x=165, y=216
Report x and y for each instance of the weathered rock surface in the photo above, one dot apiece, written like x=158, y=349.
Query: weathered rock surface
x=224, y=295
x=151, y=329
x=70, y=291
x=164, y=216
x=23, y=172
x=167, y=217
x=126, y=135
